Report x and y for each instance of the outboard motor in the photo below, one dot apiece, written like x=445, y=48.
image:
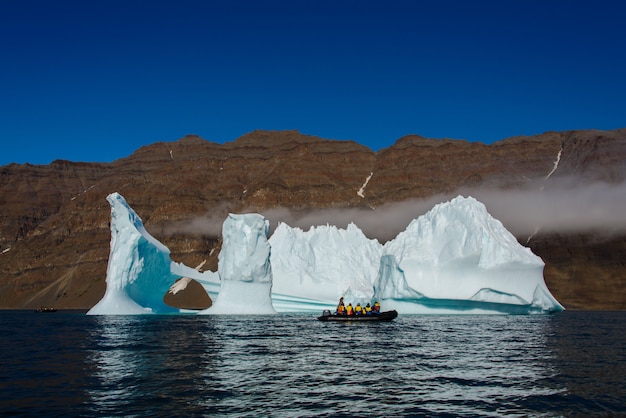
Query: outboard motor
x=326, y=312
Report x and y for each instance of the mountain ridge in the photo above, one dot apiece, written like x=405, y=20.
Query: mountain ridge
x=54, y=226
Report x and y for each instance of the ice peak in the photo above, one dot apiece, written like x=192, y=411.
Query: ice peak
x=123, y=216
x=137, y=275
x=244, y=267
x=460, y=229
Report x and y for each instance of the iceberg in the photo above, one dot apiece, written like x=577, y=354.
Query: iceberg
x=455, y=259
x=458, y=258
x=313, y=268
x=140, y=270
x=244, y=267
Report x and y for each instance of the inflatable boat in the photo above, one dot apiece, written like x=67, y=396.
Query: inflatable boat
x=380, y=317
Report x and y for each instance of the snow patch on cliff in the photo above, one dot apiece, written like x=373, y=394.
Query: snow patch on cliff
x=361, y=191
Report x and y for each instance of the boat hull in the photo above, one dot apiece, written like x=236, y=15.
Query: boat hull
x=381, y=317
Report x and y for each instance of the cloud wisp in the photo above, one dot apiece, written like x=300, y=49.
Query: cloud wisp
x=566, y=205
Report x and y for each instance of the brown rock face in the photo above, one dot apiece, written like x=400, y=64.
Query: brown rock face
x=54, y=223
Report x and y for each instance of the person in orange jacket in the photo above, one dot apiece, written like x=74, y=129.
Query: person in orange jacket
x=341, y=309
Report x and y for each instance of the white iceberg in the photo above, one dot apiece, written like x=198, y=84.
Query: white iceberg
x=244, y=267
x=460, y=259
x=313, y=268
x=140, y=270
x=455, y=259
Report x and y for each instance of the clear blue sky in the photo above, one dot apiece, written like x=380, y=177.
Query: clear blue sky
x=95, y=80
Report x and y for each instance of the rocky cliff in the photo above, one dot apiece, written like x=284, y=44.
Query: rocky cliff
x=54, y=223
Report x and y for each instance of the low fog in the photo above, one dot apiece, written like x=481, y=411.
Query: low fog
x=563, y=206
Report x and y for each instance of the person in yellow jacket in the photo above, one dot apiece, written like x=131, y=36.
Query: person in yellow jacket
x=368, y=309
x=349, y=310
x=358, y=310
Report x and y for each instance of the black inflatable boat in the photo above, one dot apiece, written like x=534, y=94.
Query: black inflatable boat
x=380, y=317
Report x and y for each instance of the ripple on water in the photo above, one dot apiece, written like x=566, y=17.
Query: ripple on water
x=293, y=365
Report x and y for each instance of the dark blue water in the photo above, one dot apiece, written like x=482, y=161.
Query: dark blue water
x=68, y=364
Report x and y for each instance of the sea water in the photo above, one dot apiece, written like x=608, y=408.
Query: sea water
x=69, y=364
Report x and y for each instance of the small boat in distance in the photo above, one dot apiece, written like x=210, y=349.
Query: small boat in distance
x=379, y=317
x=46, y=309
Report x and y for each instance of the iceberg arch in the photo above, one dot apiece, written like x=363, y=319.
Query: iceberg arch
x=139, y=270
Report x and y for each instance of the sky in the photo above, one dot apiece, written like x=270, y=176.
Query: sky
x=95, y=80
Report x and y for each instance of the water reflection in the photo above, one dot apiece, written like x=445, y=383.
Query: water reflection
x=42, y=364
x=477, y=363
x=293, y=365
x=414, y=365
x=151, y=364
x=590, y=355
x=570, y=364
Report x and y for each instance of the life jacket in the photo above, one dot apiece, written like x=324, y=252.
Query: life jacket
x=340, y=309
x=358, y=310
x=349, y=309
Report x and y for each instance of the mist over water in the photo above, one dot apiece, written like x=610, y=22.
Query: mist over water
x=293, y=365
